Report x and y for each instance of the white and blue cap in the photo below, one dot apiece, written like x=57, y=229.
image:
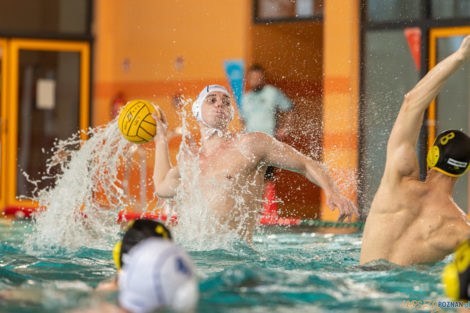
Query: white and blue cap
x=197, y=106
x=158, y=274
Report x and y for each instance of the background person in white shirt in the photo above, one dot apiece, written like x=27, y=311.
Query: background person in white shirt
x=261, y=105
x=260, y=108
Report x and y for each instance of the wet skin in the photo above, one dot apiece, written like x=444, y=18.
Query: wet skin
x=232, y=169
x=412, y=221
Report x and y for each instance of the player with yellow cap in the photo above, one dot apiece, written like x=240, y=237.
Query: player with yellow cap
x=456, y=274
x=412, y=221
x=450, y=153
x=136, y=231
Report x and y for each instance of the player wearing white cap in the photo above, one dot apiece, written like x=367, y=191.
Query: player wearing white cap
x=239, y=160
x=158, y=274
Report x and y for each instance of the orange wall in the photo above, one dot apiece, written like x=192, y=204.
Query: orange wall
x=137, y=46
x=138, y=43
x=341, y=96
x=289, y=51
x=150, y=35
x=292, y=54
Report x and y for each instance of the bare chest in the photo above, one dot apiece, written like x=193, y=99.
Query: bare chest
x=228, y=165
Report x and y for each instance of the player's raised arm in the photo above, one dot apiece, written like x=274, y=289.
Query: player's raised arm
x=401, y=156
x=165, y=177
x=278, y=154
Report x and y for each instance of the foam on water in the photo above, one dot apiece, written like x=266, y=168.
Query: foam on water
x=82, y=205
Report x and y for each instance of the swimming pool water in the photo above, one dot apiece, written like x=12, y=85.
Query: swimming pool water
x=289, y=270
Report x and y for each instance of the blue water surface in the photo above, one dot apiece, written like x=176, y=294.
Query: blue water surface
x=288, y=270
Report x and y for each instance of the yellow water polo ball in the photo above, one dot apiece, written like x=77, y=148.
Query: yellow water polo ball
x=136, y=122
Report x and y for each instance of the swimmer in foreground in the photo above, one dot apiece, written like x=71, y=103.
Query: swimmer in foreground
x=137, y=231
x=456, y=274
x=412, y=221
x=232, y=166
x=456, y=278
x=157, y=274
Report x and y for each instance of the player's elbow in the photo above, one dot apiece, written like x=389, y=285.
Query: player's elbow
x=165, y=187
x=408, y=96
x=410, y=103
x=408, y=99
x=159, y=191
x=164, y=192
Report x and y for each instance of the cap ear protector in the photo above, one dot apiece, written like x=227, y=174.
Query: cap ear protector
x=456, y=275
x=117, y=255
x=137, y=231
x=450, y=153
x=117, y=249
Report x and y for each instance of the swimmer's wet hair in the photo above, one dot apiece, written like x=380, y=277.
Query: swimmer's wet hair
x=450, y=153
x=137, y=231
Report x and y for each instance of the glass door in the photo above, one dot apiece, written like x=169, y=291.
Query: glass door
x=451, y=109
x=48, y=99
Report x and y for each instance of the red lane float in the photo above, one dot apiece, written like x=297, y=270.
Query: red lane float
x=269, y=218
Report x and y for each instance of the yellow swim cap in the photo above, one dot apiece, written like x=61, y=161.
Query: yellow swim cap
x=137, y=231
x=456, y=275
x=450, y=153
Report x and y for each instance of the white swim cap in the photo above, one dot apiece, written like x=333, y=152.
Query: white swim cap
x=158, y=274
x=197, y=105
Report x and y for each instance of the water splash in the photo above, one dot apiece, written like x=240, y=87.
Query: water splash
x=83, y=203
x=200, y=226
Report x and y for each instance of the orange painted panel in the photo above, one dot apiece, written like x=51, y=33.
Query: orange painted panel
x=346, y=141
x=338, y=84
x=340, y=113
x=341, y=84
x=150, y=35
x=292, y=55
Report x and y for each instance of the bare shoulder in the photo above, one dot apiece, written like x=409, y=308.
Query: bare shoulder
x=256, y=136
x=395, y=195
x=401, y=164
x=256, y=140
x=256, y=144
x=453, y=229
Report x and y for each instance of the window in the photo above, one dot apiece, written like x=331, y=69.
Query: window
x=282, y=10
x=390, y=72
x=45, y=17
x=394, y=56
x=388, y=10
x=450, y=8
